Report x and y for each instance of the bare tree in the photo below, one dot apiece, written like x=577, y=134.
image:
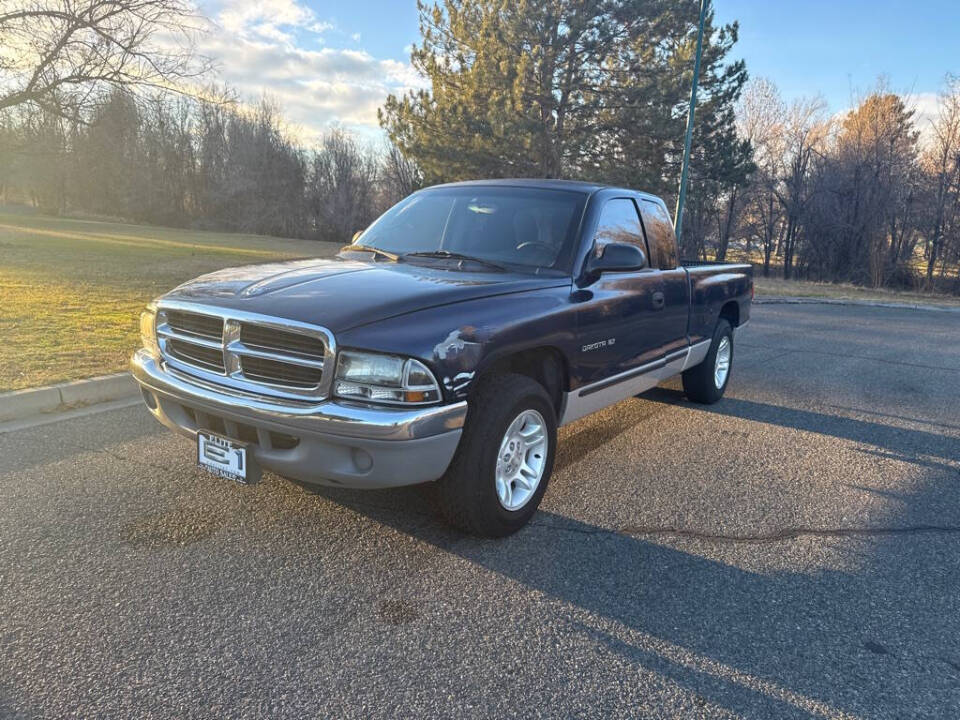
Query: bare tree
x=400, y=175
x=805, y=132
x=942, y=162
x=760, y=119
x=38, y=159
x=341, y=189
x=62, y=55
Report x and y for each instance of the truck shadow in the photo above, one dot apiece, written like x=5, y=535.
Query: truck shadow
x=866, y=639
x=904, y=442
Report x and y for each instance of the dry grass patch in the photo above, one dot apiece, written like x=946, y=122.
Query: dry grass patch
x=840, y=291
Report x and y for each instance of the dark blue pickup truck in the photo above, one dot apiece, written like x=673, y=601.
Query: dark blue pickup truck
x=446, y=344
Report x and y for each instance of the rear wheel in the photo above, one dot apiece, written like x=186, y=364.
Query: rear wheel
x=500, y=471
x=706, y=382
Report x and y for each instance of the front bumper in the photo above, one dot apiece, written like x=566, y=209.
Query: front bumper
x=329, y=443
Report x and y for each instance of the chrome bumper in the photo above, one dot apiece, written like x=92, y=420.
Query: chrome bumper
x=337, y=443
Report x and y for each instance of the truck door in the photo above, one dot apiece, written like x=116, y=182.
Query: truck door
x=621, y=324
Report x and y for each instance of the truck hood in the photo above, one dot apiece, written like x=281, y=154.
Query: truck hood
x=343, y=294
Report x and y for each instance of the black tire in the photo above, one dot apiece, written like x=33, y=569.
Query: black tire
x=467, y=494
x=698, y=381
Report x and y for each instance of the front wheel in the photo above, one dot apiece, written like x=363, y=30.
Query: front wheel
x=706, y=382
x=500, y=471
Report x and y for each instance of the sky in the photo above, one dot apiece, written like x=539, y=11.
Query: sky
x=333, y=62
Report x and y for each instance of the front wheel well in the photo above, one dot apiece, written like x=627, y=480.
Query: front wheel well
x=546, y=365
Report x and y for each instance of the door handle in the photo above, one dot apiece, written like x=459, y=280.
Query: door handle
x=658, y=301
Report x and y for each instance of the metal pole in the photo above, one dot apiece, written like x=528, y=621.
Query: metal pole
x=681, y=196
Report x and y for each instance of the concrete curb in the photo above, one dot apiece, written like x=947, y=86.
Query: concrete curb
x=53, y=398
x=777, y=300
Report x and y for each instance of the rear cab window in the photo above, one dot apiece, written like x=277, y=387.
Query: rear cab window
x=659, y=229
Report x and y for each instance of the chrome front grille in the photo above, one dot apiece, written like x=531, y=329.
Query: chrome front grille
x=254, y=353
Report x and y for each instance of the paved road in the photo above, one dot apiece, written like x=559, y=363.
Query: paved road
x=793, y=551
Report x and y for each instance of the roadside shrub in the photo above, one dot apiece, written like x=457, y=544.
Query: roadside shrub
x=903, y=277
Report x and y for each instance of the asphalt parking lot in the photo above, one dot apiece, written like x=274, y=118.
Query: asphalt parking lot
x=793, y=551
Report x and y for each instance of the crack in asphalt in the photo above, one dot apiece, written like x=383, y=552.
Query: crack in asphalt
x=81, y=448
x=165, y=470
x=777, y=536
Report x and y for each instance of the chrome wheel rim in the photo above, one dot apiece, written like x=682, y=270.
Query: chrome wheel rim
x=721, y=367
x=521, y=460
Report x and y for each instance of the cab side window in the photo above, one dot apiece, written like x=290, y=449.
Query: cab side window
x=663, y=243
x=619, y=222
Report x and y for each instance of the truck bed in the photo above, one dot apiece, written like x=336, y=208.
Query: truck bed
x=691, y=263
x=712, y=286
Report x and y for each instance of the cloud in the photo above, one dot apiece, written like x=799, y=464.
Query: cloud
x=280, y=48
x=266, y=19
x=925, y=108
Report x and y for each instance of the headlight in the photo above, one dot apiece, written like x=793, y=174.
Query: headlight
x=384, y=379
x=148, y=329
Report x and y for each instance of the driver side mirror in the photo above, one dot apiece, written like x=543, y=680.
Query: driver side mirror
x=616, y=257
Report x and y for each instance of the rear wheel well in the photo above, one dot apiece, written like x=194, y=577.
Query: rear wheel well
x=731, y=313
x=545, y=365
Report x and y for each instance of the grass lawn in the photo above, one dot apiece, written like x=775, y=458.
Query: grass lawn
x=768, y=287
x=71, y=291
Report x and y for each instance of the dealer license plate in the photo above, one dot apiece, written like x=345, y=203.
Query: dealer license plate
x=226, y=458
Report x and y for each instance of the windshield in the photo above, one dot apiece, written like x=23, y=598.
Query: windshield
x=526, y=227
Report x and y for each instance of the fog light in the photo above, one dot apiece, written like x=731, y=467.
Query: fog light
x=149, y=398
x=361, y=459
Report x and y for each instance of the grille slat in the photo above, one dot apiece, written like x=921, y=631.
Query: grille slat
x=247, y=351
x=205, y=357
x=281, y=341
x=205, y=326
x=279, y=373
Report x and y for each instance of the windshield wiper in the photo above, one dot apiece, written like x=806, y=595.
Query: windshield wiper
x=369, y=248
x=447, y=255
